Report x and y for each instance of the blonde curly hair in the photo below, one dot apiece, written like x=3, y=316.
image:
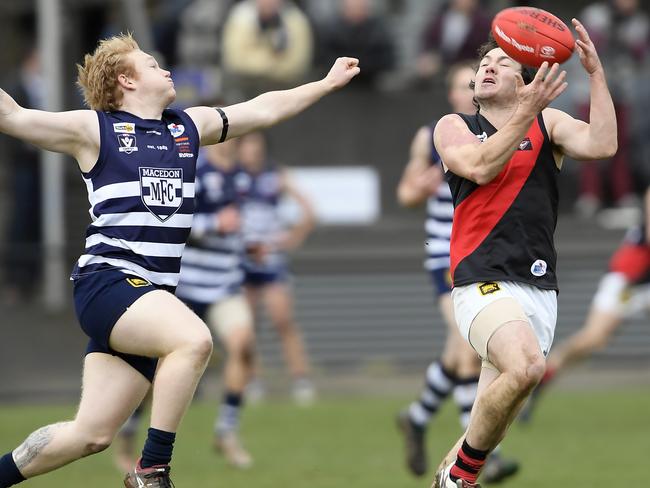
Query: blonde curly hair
x=97, y=78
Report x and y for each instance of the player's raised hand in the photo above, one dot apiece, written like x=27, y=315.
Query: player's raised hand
x=547, y=85
x=342, y=71
x=586, y=49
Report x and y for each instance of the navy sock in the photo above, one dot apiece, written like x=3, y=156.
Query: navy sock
x=228, y=419
x=9, y=473
x=158, y=448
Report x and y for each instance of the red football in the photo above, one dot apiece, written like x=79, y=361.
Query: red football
x=531, y=36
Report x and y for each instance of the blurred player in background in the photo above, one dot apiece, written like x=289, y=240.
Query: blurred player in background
x=503, y=164
x=458, y=368
x=211, y=284
x=623, y=292
x=138, y=160
x=262, y=184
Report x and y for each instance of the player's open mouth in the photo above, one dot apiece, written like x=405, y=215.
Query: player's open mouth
x=488, y=80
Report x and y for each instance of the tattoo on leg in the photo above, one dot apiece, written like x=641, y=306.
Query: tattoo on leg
x=34, y=445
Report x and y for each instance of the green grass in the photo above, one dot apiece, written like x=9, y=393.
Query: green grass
x=577, y=440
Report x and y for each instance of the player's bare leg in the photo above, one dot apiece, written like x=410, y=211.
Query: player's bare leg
x=278, y=300
x=111, y=391
x=515, y=351
x=160, y=325
x=457, y=355
x=239, y=348
x=255, y=390
x=125, y=450
x=500, y=395
x=594, y=336
x=238, y=343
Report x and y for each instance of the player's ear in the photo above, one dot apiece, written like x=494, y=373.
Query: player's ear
x=125, y=82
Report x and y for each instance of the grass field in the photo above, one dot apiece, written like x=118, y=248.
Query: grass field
x=577, y=440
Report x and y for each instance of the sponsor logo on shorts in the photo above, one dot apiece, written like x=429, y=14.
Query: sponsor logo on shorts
x=137, y=282
x=488, y=287
x=124, y=127
x=539, y=267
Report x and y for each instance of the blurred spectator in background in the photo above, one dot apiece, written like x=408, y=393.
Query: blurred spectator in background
x=22, y=260
x=454, y=34
x=621, y=33
x=355, y=29
x=165, y=19
x=268, y=240
x=267, y=44
x=198, y=76
x=200, y=32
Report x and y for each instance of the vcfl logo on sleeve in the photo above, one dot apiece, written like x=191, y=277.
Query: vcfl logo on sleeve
x=161, y=190
x=127, y=143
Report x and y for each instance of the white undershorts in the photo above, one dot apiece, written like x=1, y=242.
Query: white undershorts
x=616, y=296
x=539, y=305
x=230, y=314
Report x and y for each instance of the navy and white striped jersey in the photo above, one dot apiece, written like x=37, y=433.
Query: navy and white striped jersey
x=141, y=193
x=261, y=221
x=211, y=264
x=440, y=215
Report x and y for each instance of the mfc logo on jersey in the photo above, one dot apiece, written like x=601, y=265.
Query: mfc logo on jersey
x=162, y=191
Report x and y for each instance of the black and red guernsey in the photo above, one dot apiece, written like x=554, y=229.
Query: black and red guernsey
x=503, y=231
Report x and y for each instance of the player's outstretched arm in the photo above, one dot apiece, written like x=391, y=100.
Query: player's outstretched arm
x=577, y=139
x=420, y=179
x=463, y=154
x=272, y=107
x=73, y=133
x=299, y=232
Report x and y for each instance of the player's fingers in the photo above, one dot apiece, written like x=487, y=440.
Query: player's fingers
x=558, y=81
x=552, y=73
x=580, y=29
x=556, y=93
x=541, y=73
x=584, y=46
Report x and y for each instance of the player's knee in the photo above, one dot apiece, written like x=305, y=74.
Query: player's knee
x=529, y=373
x=200, y=346
x=285, y=325
x=536, y=370
x=97, y=443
